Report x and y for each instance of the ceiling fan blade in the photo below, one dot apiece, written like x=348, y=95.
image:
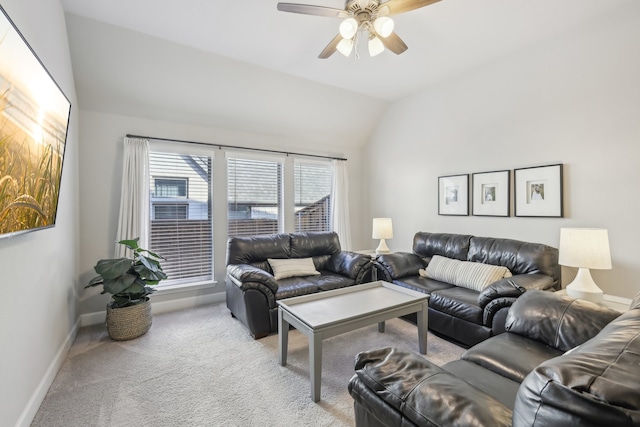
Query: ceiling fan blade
x=308, y=9
x=394, y=43
x=331, y=47
x=394, y=7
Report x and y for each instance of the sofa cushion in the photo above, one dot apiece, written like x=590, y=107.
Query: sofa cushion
x=327, y=281
x=292, y=267
x=495, y=385
x=510, y=355
x=472, y=275
x=295, y=287
x=457, y=302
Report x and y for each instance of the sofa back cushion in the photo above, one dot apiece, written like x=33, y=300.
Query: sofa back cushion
x=455, y=246
x=557, y=320
x=519, y=257
x=595, y=385
x=307, y=245
x=255, y=250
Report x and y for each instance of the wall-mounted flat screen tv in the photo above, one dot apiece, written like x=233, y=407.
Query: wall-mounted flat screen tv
x=34, y=116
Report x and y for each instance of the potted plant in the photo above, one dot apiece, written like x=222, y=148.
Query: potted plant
x=129, y=282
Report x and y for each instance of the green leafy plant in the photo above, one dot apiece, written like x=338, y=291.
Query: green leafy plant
x=128, y=280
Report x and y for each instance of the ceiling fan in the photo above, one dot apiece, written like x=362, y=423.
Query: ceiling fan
x=367, y=16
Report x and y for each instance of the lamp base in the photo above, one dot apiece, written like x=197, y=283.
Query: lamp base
x=382, y=248
x=584, y=287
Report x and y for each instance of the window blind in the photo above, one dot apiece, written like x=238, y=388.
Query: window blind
x=312, y=196
x=254, y=193
x=181, y=220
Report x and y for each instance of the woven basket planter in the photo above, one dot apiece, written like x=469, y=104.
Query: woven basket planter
x=129, y=322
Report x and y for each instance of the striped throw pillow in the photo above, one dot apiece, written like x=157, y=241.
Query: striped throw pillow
x=471, y=275
x=292, y=267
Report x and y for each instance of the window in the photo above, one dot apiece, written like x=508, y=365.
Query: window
x=312, y=196
x=170, y=187
x=254, y=194
x=181, y=221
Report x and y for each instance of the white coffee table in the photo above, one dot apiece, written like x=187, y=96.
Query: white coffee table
x=326, y=314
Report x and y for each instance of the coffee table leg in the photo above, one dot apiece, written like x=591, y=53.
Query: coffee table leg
x=315, y=365
x=283, y=337
x=380, y=326
x=423, y=324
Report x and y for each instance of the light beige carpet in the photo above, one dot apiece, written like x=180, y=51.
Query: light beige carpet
x=200, y=367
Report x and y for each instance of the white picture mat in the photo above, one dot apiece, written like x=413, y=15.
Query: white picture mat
x=491, y=193
x=453, y=194
x=547, y=200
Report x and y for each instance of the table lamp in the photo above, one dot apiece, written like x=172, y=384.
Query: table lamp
x=382, y=229
x=585, y=248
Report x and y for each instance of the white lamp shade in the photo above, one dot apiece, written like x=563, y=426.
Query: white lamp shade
x=345, y=46
x=383, y=26
x=382, y=228
x=585, y=248
x=375, y=46
x=348, y=28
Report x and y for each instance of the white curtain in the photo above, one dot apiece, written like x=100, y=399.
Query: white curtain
x=134, y=198
x=340, y=204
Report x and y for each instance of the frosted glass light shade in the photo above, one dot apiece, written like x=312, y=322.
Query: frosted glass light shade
x=383, y=26
x=584, y=248
x=375, y=46
x=348, y=28
x=345, y=46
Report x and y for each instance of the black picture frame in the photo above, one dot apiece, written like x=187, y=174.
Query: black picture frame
x=453, y=195
x=491, y=193
x=538, y=191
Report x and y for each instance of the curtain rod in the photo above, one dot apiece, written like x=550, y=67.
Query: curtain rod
x=221, y=146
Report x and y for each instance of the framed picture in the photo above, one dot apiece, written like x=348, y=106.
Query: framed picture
x=491, y=193
x=538, y=191
x=453, y=195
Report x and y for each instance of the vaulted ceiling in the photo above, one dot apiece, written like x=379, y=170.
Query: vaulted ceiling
x=258, y=68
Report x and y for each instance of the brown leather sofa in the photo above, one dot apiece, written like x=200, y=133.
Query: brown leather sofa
x=465, y=315
x=252, y=290
x=562, y=362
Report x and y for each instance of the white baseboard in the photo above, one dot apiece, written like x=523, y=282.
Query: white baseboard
x=99, y=317
x=30, y=411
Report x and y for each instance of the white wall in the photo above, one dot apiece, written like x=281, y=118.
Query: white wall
x=101, y=174
x=37, y=270
x=573, y=100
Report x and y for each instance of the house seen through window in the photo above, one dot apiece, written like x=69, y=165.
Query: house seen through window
x=181, y=220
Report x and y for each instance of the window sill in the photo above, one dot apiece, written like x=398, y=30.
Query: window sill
x=185, y=287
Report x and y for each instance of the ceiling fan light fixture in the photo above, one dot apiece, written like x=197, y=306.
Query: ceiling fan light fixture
x=383, y=26
x=348, y=28
x=345, y=46
x=375, y=46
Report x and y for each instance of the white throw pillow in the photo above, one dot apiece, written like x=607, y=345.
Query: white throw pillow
x=292, y=267
x=471, y=275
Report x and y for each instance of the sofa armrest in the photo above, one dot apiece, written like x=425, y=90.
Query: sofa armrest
x=399, y=264
x=422, y=392
x=514, y=287
x=556, y=320
x=349, y=264
x=246, y=273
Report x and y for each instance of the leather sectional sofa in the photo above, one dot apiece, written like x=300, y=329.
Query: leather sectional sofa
x=466, y=315
x=252, y=289
x=561, y=362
